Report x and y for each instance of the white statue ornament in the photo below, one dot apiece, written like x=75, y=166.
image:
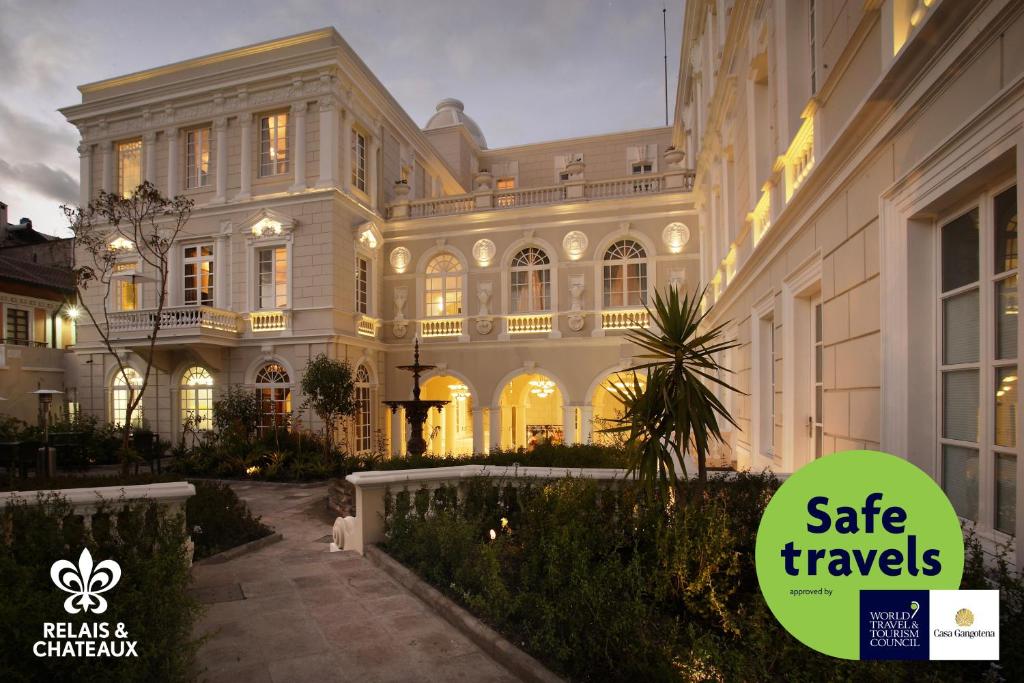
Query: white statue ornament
x=484, y=321
x=576, y=289
x=400, y=325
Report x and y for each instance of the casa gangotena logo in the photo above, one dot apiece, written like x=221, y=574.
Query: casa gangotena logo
x=964, y=617
x=85, y=582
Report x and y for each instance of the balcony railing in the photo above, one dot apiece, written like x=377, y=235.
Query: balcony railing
x=626, y=319
x=528, y=324
x=268, y=321
x=367, y=326
x=631, y=186
x=177, y=318
x=441, y=327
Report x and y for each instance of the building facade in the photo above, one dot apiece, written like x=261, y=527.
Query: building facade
x=858, y=170
x=327, y=221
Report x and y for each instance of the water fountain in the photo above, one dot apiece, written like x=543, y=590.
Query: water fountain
x=416, y=410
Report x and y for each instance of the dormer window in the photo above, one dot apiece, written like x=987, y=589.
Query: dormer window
x=642, y=167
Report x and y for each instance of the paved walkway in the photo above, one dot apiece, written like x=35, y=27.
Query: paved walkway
x=295, y=612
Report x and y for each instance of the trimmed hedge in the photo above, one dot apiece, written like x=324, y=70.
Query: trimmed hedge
x=605, y=585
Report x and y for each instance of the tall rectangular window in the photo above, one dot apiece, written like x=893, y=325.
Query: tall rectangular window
x=17, y=326
x=358, y=160
x=129, y=167
x=273, y=144
x=272, y=285
x=127, y=295
x=362, y=286
x=978, y=361
x=197, y=158
x=198, y=261
x=817, y=421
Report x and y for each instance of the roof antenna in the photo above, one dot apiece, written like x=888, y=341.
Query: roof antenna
x=664, y=37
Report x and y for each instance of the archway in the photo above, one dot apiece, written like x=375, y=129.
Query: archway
x=531, y=411
x=607, y=404
x=450, y=431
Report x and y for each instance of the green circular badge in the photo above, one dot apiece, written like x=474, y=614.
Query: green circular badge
x=852, y=521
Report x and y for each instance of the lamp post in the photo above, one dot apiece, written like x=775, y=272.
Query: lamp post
x=47, y=456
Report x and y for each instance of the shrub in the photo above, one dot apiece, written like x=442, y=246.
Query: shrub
x=237, y=413
x=610, y=585
x=150, y=599
x=218, y=520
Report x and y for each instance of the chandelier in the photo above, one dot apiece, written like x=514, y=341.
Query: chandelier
x=459, y=391
x=542, y=388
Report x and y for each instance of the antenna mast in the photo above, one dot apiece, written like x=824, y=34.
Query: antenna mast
x=664, y=37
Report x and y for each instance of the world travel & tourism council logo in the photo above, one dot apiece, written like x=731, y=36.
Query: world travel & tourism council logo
x=85, y=581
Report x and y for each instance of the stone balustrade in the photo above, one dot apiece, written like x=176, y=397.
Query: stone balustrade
x=528, y=324
x=175, y=318
x=441, y=327
x=625, y=319
x=367, y=326
x=268, y=321
x=372, y=488
x=486, y=200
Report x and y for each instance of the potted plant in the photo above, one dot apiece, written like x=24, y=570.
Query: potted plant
x=483, y=179
x=674, y=157
x=575, y=166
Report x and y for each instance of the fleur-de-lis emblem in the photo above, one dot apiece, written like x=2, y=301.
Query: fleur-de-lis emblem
x=85, y=582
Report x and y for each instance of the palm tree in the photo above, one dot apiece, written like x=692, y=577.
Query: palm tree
x=675, y=410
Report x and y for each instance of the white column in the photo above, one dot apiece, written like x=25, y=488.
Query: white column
x=346, y=151
x=397, y=418
x=478, y=430
x=172, y=161
x=495, y=426
x=586, y=424
x=298, y=121
x=84, y=173
x=220, y=128
x=569, y=424
x=222, y=272
x=108, y=165
x=328, y=142
x=149, y=156
x=371, y=168
x=245, y=184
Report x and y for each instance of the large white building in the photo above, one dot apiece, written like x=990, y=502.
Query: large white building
x=852, y=203
x=326, y=220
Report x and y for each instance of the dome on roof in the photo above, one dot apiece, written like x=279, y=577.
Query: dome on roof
x=450, y=113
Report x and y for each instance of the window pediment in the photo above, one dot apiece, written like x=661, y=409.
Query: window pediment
x=268, y=224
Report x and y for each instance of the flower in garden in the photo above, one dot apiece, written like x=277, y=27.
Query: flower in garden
x=504, y=523
x=494, y=534
x=252, y=471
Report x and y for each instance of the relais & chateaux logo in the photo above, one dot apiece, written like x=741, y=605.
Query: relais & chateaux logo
x=857, y=555
x=85, y=582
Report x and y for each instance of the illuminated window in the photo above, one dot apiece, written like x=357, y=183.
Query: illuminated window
x=364, y=422
x=978, y=370
x=625, y=275
x=272, y=385
x=273, y=144
x=443, y=287
x=272, y=285
x=124, y=389
x=197, y=158
x=358, y=160
x=506, y=184
x=17, y=326
x=129, y=167
x=197, y=397
x=362, y=286
x=198, y=261
x=127, y=295
x=531, y=281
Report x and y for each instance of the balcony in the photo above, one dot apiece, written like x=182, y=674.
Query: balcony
x=176, y=322
x=269, y=321
x=528, y=324
x=367, y=326
x=441, y=327
x=626, y=319
x=619, y=188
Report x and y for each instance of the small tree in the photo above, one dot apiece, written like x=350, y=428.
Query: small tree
x=237, y=413
x=330, y=391
x=676, y=410
x=147, y=224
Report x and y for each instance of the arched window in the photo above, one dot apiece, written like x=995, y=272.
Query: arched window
x=531, y=281
x=123, y=389
x=625, y=275
x=443, y=287
x=272, y=383
x=364, y=422
x=197, y=397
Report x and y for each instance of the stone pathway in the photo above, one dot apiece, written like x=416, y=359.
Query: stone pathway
x=295, y=612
